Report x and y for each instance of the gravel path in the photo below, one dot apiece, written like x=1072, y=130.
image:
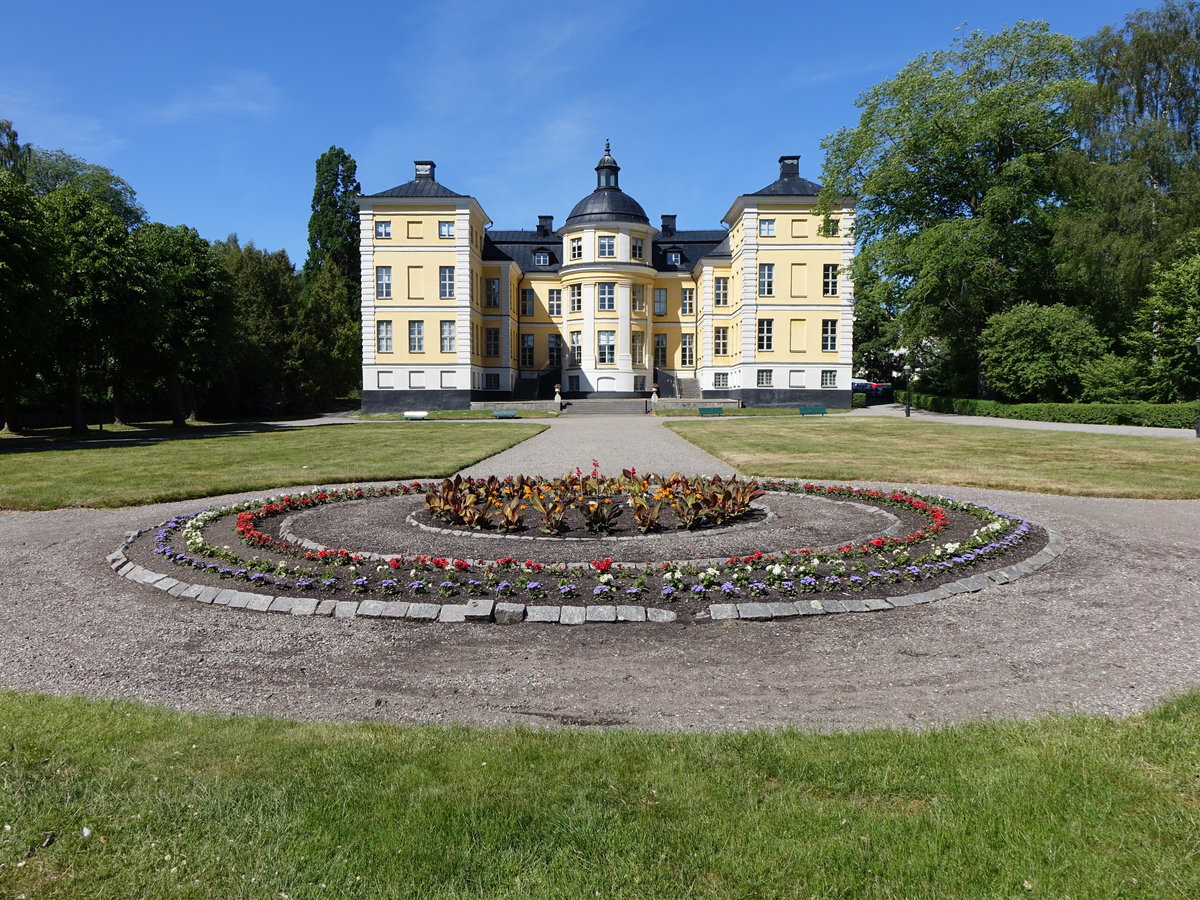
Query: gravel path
x=1110, y=627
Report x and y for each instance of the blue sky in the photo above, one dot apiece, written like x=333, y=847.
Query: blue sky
x=216, y=112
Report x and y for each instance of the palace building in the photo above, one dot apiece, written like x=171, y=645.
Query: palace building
x=607, y=305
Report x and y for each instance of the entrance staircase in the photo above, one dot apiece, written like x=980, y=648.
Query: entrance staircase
x=632, y=407
x=689, y=388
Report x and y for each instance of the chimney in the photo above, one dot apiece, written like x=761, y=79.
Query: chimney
x=425, y=169
x=789, y=167
x=545, y=225
x=668, y=225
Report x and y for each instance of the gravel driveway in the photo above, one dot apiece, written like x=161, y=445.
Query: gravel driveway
x=1110, y=627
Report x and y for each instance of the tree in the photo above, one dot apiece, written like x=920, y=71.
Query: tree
x=49, y=170
x=14, y=156
x=191, y=297
x=327, y=342
x=1133, y=186
x=1168, y=324
x=98, y=285
x=27, y=315
x=1038, y=353
x=952, y=163
x=333, y=225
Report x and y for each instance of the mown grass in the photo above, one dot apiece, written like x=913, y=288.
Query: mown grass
x=911, y=451
x=209, y=462
x=744, y=412
x=454, y=414
x=182, y=805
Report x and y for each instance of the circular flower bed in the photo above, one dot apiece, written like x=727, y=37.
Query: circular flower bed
x=936, y=540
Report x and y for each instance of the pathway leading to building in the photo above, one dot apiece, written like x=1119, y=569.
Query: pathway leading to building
x=1111, y=626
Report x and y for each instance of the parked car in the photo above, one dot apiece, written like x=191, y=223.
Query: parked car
x=860, y=387
x=882, y=390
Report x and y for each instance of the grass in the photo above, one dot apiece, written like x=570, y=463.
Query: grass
x=208, y=462
x=453, y=414
x=741, y=411
x=183, y=805
x=910, y=451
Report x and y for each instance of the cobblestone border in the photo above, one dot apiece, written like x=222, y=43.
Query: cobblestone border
x=489, y=610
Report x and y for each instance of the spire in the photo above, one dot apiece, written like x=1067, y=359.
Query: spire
x=606, y=170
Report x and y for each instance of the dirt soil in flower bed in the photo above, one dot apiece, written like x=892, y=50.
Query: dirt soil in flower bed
x=382, y=525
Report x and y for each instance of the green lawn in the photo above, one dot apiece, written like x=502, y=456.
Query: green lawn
x=198, y=806
x=910, y=451
x=214, y=461
x=745, y=411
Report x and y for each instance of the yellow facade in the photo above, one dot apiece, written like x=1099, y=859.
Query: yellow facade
x=607, y=304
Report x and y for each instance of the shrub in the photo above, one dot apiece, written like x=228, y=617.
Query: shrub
x=1036, y=353
x=1157, y=415
x=858, y=401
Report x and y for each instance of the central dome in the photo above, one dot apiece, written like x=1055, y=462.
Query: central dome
x=607, y=203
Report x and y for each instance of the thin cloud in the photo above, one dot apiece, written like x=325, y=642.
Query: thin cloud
x=40, y=120
x=241, y=93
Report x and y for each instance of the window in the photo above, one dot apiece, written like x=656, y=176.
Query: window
x=637, y=248
x=383, y=228
x=492, y=294
x=606, y=348
x=554, y=351
x=660, y=349
x=721, y=291
x=687, y=301
x=527, y=298
x=576, y=350
x=674, y=257
x=766, y=280
x=639, y=382
x=606, y=293
x=828, y=378
x=766, y=228
x=445, y=229
x=576, y=293
x=660, y=301
x=830, y=228
x=416, y=337
x=541, y=258
x=637, y=348
x=829, y=335
x=637, y=298
x=766, y=334
x=721, y=341
x=573, y=384
x=554, y=302
x=527, y=351
x=491, y=342
x=383, y=282
x=721, y=381
x=448, y=331
x=383, y=337
x=687, y=349
x=606, y=247
x=576, y=248
x=829, y=280
x=764, y=378
x=491, y=381
x=446, y=281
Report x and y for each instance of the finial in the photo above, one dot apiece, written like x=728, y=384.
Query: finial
x=606, y=150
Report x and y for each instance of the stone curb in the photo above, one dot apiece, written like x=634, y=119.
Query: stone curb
x=486, y=609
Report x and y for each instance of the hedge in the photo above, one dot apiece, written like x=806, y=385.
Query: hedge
x=1158, y=415
x=858, y=400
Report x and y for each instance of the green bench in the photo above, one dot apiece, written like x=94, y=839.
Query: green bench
x=504, y=414
x=711, y=411
x=812, y=410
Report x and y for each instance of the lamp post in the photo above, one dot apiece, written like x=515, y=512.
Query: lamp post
x=907, y=391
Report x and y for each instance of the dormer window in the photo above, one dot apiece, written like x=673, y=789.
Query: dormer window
x=674, y=257
x=541, y=257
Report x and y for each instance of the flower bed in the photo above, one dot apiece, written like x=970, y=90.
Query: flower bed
x=941, y=540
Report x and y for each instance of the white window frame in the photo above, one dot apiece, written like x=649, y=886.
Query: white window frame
x=660, y=301
x=383, y=282
x=606, y=348
x=829, y=378
x=541, y=258
x=606, y=247
x=637, y=348
x=445, y=229
x=491, y=342
x=829, y=335
x=637, y=248
x=687, y=350
x=491, y=296
x=448, y=332
x=576, y=341
x=606, y=296
x=763, y=379
x=721, y=381
x=446, y=282
x=637, y=298
x=576, y=248
x=766, y=228
x=383, y=229
x=554, y=301
x=575, y=293
x=383, y=336
x=829, y=280
x=687, y=301
x=491, y=381
x=674, y=258
x=766, y=335
x=721, y=340
x=720, y=291
x=766, y=279
x=416, y=336
x=660, y=349
x=528, y=301
x=528, y=350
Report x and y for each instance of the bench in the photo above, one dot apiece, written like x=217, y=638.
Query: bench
x=416, y=414
x=812, y=410
x=711, y=411
x=504, y=414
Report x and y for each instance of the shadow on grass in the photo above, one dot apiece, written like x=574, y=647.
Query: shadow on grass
x=137, y=435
